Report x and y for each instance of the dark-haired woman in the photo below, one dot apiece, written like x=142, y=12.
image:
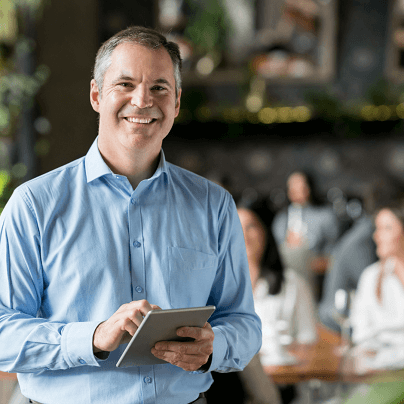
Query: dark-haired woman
x=282, y=298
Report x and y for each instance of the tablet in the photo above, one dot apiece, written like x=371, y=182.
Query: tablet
x=161, y=325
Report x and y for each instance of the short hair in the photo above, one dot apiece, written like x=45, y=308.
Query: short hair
x=147, y=37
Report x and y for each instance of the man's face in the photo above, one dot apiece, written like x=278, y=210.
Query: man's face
x=138, y=104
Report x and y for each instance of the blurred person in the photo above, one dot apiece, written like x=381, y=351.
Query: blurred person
x=282, y=298
x=88, y=249
x=378, y=311
x=355, y=251
x=280, y=294
x=305, y=231
x=377, y=314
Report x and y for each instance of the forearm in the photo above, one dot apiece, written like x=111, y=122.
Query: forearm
x=35, y=344
x=237, y=339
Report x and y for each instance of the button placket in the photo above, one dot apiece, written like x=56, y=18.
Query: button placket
x=136, y=249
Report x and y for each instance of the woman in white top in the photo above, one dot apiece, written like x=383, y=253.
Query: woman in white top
x=377, y=315
x=282, y=298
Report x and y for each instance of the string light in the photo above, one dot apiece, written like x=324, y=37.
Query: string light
x=256, y=114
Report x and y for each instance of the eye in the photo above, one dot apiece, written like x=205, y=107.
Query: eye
x=124, y=84
x=158, y=88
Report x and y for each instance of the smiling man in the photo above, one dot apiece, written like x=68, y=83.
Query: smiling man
x=87, y=250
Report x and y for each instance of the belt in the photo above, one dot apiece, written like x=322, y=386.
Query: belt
x=200, y=400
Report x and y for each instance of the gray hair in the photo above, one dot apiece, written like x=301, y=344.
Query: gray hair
x=147, y=37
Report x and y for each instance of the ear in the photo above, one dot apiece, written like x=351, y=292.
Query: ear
x=177, y=103
x=95, y=96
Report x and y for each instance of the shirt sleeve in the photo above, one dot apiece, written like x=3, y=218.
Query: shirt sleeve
x=33, y=343
x=236, y=326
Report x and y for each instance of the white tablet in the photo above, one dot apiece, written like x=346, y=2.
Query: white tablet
x=161, y=325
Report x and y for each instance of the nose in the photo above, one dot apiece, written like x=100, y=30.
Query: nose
x=142, y=97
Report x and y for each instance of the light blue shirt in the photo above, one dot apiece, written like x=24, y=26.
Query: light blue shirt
x=78, y=242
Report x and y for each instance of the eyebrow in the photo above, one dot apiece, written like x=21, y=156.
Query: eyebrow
x=129, y=78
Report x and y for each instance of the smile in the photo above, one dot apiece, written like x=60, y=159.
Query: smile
x=140, y=120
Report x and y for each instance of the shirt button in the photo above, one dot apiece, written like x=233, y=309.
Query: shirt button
x=136, y=244
x=139, y=289
x=133, y=201
x=147, y=380
x=82, y=361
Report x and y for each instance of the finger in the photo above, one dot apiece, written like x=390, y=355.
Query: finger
x=184, y=361
x=143, y=306
x=199, y=334
x=186, y=348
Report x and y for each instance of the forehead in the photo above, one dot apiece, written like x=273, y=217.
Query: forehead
x=297, y=179
x=133, y=59
x=387, y=217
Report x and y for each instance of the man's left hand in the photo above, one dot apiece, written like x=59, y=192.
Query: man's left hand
x=191, y=355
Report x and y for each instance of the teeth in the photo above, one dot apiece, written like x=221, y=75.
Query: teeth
x=140, y=120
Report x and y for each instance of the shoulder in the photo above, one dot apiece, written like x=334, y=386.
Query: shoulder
x=280, y=216
x=194, y=185
x=323, y=211
x=261, y=289
x=370, y=274
x=51, y=185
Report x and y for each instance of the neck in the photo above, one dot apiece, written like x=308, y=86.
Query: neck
x=135, y=166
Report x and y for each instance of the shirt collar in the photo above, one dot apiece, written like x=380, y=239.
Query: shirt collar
x=96, y=166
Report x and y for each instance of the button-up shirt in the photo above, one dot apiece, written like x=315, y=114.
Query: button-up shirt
x=78, y=242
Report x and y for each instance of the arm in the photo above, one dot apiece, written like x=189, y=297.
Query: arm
x=33, y=343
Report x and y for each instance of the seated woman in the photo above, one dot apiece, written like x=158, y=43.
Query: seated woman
x=377, y=316
x=283, y=299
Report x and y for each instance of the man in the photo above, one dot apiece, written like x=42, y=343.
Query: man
x=88, y=249
x=306, y=231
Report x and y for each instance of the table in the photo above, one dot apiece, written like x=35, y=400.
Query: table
x=323, y=361
x=318, y=361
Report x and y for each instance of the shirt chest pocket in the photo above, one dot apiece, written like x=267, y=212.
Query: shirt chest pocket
x=191, y=276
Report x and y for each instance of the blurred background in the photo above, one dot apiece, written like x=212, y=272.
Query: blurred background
x=270, y=86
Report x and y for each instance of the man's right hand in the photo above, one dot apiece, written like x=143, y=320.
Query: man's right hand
x=121, y=326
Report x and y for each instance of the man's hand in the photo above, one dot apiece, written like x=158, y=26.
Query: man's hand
x=121, y=326
x=191, y=355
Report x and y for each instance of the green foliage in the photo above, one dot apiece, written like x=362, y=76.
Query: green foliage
x=17, y=90
x=207, y=26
